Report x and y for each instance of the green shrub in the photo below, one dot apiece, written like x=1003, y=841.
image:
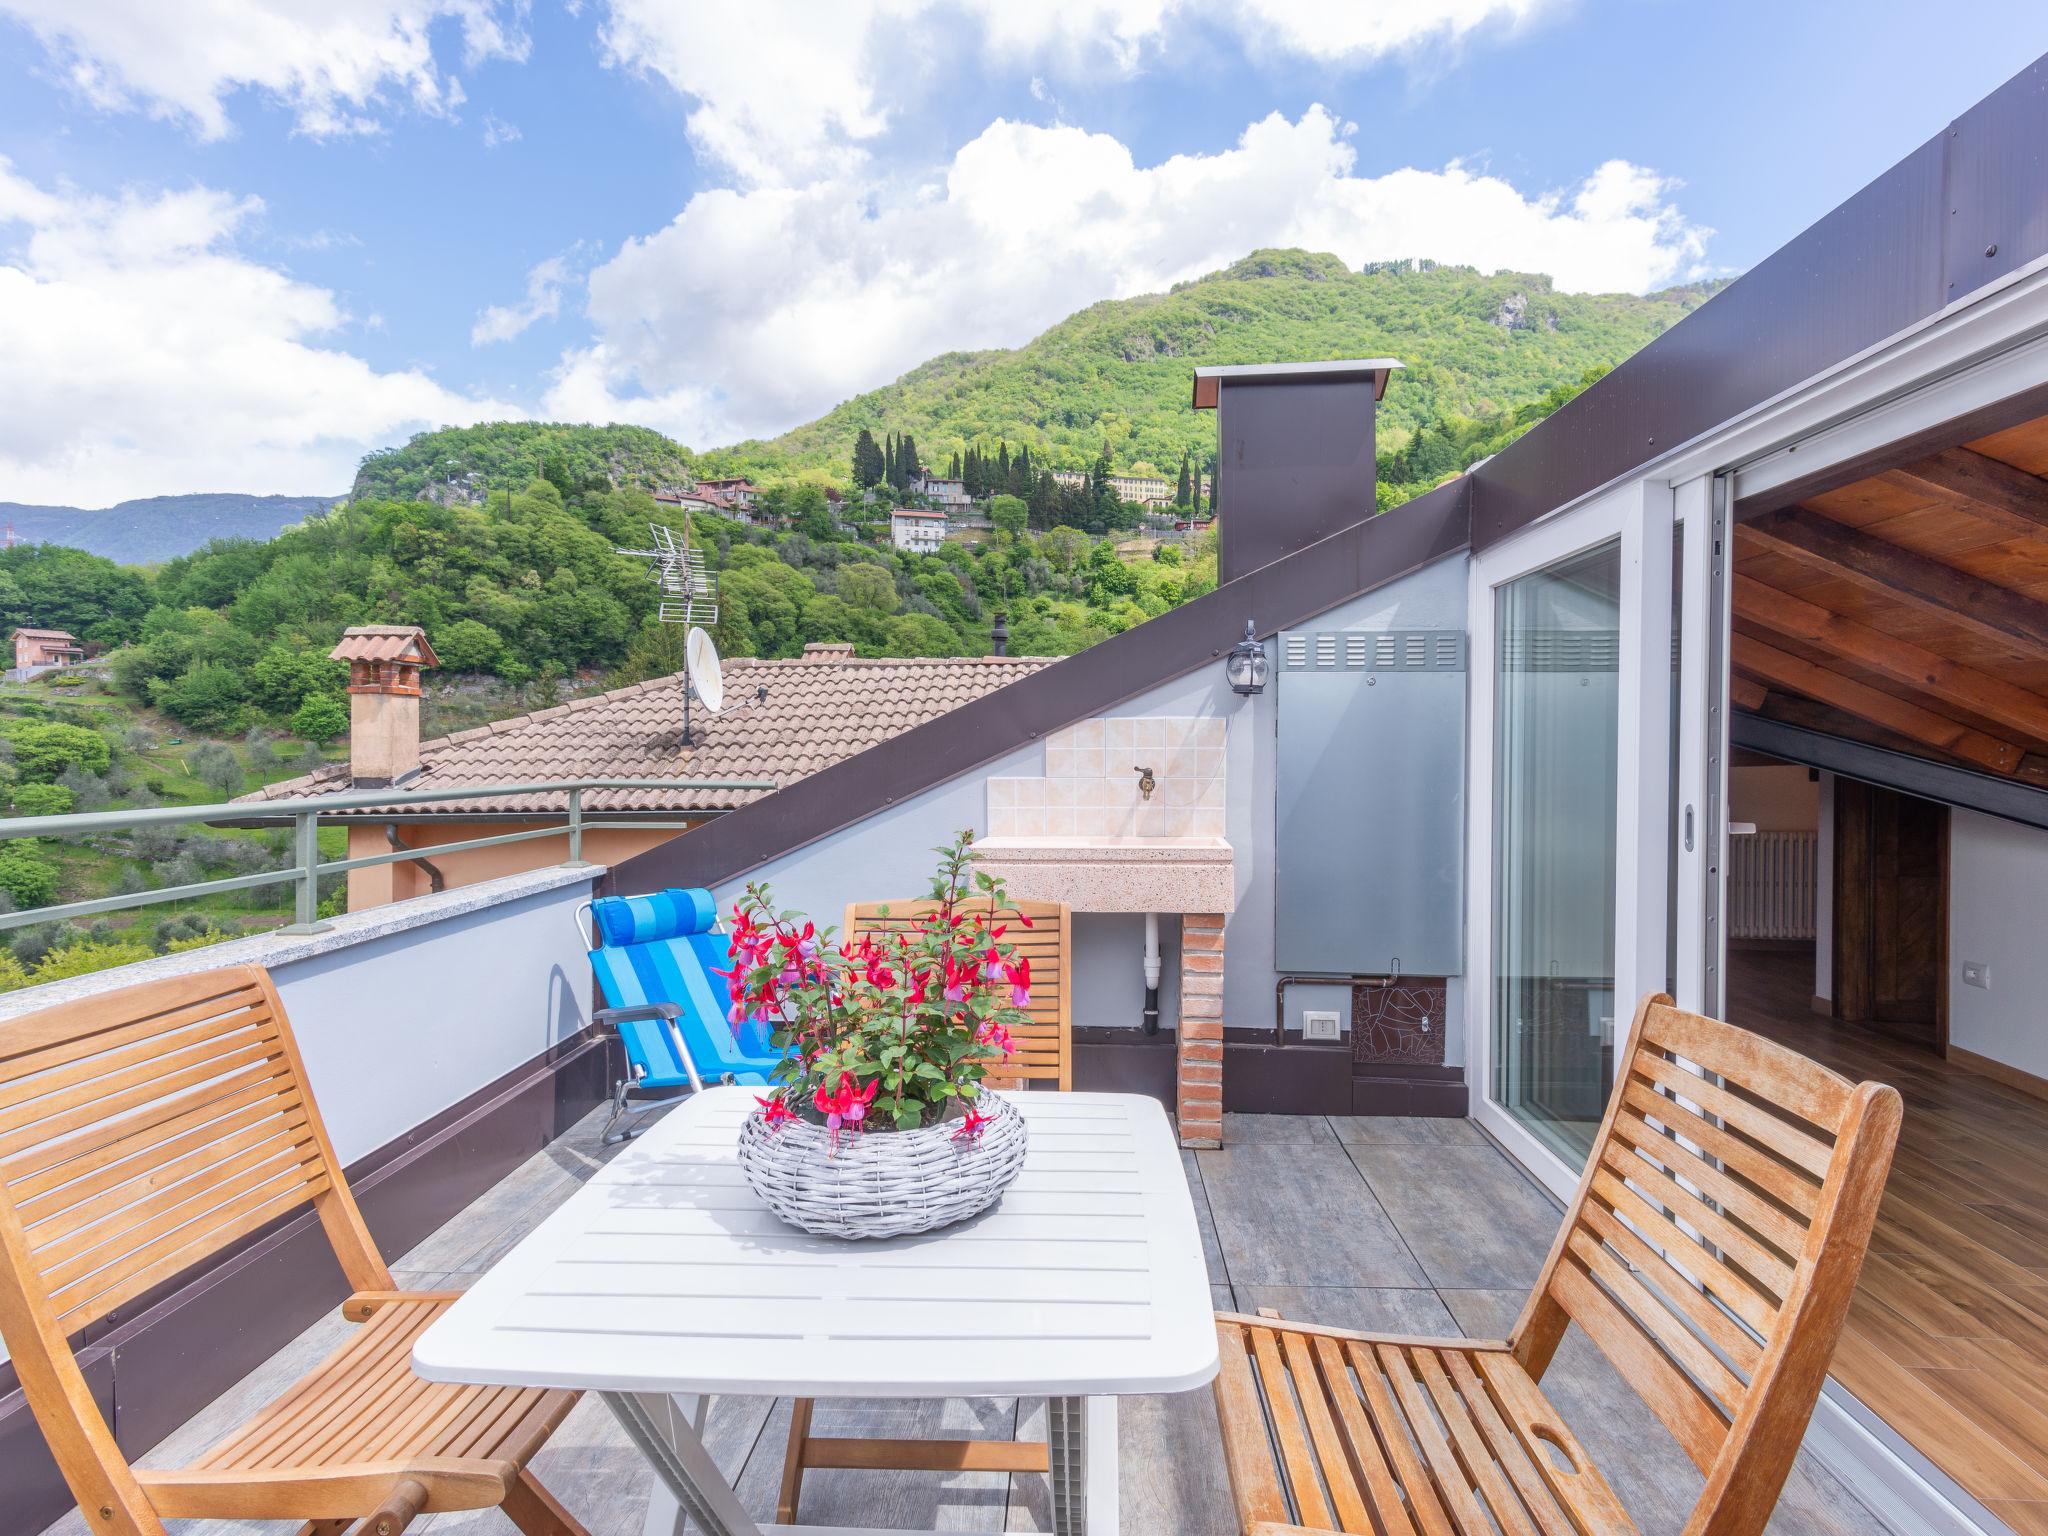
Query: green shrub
x=321, y=718
x=84, y=959
x=43, y=799
x=209, y=694
x=26, y=875
x=41, y=752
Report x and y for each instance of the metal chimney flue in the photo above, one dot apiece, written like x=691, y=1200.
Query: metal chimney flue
x=1294, y=453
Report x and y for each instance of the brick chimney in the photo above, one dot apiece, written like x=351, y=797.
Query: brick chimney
x=1294, y=453
x=384, y=662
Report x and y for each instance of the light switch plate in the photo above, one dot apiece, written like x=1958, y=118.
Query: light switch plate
x=1977, y=974
x=1318, y=1025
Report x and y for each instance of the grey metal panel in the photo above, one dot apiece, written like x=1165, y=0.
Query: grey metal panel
x=1369, y=817
x=1294, y=464
x=1998, y=184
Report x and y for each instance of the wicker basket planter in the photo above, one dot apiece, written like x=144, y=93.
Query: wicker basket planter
x=882, y=1183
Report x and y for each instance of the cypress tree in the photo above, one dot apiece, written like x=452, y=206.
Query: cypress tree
x=1180, y=494
x=889, y=458
x=867, y=461
x=1003, y=464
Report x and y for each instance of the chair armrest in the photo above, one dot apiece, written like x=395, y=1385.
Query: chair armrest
x=636, y=1011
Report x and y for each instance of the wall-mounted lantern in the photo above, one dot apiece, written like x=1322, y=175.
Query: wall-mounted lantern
x=1246, y=665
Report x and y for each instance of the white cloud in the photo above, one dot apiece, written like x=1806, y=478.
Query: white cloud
x=543, y=301
x=497, y=131
x=808, y=104
x=145, y=355
x=757, y=309
x=334, y=64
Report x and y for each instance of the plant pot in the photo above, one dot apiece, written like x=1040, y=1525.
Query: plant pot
x=882, y=1183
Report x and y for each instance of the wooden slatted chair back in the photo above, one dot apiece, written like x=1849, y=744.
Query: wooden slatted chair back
x=1714, y=1243
x=143, y=1130
x=1044, y=1043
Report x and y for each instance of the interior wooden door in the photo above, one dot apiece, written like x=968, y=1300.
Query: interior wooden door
x=1891, y=911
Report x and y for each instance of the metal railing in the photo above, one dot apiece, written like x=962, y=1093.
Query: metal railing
x=304, y=813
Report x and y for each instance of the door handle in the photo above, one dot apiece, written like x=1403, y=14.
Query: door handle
x=1688, y=829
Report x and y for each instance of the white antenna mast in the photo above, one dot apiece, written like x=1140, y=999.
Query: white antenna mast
x=689, y=595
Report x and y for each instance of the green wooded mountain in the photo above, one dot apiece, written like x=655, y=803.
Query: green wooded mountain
x=1485, y=355
x=1479, y=349
x=467, y=464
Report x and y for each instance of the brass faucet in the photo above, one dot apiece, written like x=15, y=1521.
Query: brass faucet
x=1146, y=783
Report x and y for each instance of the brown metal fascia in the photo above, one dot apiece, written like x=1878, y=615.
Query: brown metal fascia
x=1295, y=588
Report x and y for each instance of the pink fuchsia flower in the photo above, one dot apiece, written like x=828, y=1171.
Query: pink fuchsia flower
x=959, y=980
x=775, y=1113
x=996, y=1036
x=1019, y=977
x=971, y=1125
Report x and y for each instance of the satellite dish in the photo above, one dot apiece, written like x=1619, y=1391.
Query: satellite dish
x=700, y=660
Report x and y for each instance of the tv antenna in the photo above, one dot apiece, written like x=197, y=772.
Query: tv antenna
x=689, y=596
x=689, y=592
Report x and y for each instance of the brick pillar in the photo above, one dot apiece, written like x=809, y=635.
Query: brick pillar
x=1198, y=1064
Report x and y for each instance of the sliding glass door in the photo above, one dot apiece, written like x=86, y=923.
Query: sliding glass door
x=1557, y=699
x=1580, y=845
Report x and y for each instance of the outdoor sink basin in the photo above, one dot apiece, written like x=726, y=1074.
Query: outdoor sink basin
x=1116, y=874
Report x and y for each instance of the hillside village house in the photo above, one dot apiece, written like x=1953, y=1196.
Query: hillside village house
x=1727, y=680
x=41, y=649
x=948, y=494
x=919, y=531
x=717, y=502
x=733, y=490
x=1146, y=490
x=784, y=719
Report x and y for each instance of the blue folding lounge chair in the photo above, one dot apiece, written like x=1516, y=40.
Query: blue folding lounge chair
x=656, y=963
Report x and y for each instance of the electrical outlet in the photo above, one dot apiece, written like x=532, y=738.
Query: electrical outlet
x=1318, y=1025
x=1976, y=974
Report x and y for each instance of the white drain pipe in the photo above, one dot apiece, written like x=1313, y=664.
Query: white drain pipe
x=1151, y=973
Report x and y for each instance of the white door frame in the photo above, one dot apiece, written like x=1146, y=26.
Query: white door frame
x=1639, y=516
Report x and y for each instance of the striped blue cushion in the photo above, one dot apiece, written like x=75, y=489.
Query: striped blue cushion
x=670, y=914
x=682, y=971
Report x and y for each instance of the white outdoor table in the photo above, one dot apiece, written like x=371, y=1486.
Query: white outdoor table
x=664, y=1279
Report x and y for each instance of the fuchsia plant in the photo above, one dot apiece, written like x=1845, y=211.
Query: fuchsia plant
x=892, y=1028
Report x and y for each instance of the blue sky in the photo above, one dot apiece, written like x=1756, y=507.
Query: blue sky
x=244, y=241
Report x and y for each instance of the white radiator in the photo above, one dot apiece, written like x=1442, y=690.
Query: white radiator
x=1772, y=880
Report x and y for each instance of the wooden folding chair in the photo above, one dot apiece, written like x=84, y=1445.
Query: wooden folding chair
x=1044, y=1054
x=142, y=1131
x=1710, y=1253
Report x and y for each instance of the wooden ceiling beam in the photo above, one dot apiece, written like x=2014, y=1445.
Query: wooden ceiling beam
x=1980, y=485
x=1781, y=669
x=1998, y=614
x=1746, y=692
x=1978, y=692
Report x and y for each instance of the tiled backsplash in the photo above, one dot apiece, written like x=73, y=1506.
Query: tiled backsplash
x=1090, y=788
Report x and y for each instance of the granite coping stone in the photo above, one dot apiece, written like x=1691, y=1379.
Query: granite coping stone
x=276, y=948
x=1106, y=850
x=1133, y=874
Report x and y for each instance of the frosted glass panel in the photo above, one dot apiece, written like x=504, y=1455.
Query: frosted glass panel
x=1557, y=692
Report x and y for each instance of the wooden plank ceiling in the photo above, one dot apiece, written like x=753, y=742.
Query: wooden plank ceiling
x=1909, y=609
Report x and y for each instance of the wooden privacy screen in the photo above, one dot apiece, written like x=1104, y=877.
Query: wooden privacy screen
x=1043, y=1053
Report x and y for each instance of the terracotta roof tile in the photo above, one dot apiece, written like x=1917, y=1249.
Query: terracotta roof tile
x=820, y=708
x=385, y=642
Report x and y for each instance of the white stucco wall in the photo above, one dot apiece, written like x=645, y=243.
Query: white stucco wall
x=888, y=854
x=1998, y=874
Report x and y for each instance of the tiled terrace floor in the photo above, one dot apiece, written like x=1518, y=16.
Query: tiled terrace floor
x=1413, y=1226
